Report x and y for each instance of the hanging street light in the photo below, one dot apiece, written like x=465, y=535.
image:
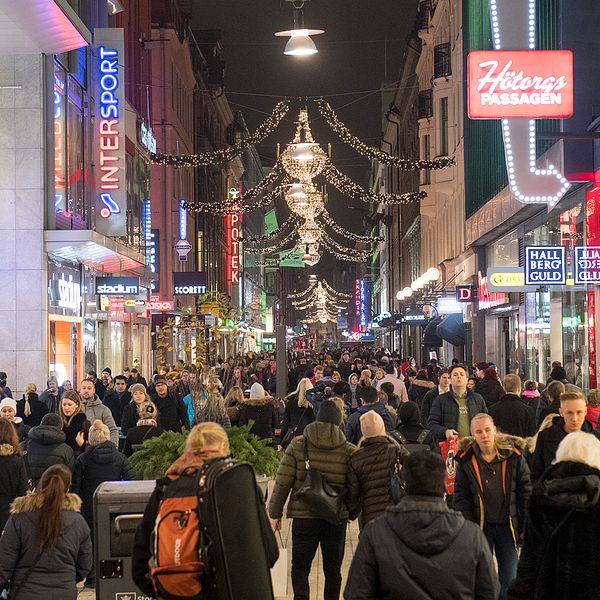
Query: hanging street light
x=300, y=43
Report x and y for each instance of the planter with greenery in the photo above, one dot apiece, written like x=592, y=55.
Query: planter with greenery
x=152, y=458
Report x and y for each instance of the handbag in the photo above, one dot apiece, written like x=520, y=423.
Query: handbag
x=324, y=500
x=449, y=450
x=290, y=434
x=279, y=572
x=397, y=483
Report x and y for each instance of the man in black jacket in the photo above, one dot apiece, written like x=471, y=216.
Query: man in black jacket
x=172, y=412
x=554, y=429
x=117, y=398
x=511, y=415
x=421, y=549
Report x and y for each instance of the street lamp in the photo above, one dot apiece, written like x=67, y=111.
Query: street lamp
x=300, y=43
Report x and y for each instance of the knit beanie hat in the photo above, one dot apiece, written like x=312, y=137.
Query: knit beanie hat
x=371, y=424
x=98, y=433
x=408, y=413
x=329, y=413
x=147, y=410
x=137, y=387
x=52, y=420
x=424, y=474
x=8, y=402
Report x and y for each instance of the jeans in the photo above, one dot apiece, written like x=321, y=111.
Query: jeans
x=307, y=534
x=501, y=542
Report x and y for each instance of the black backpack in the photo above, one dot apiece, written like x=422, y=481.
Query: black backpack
x=417, y=446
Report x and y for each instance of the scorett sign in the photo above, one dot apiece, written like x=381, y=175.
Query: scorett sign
x=189, y=284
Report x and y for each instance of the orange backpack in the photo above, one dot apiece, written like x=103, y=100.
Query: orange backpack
x=176, y=565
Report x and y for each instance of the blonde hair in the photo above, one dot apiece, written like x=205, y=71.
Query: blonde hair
x=501, y=441
x=98, y=433
x=30, y=389
x=74, y=397
x=339, y=402
x=579, y=447
x=367, y=376
x=304, y=386
x=594, y=397
x=205, y=436
x=234, y=395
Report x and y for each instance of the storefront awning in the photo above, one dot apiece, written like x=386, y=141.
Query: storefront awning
x=92, y=249
x=40, y=26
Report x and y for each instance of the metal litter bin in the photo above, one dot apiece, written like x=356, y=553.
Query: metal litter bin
x=118, y=509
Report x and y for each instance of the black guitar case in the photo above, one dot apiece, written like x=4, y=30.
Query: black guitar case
x=239, y=538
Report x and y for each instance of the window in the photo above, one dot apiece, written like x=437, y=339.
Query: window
x=444, y=126
x=425, y=105
x=441, y=61
x=425, y=155
x=423, y=14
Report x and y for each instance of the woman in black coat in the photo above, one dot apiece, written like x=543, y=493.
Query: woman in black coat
x=260, y=409
x=559, y=559
x=13, y=473
x=45, y=547
x=299, y=412
x=145, y=429
x=30, y=408
x=8, y=411
x=490, y=387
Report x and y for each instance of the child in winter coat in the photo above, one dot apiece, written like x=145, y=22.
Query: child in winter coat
x=146, y=428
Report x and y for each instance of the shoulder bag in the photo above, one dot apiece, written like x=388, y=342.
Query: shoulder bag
x=325, y=501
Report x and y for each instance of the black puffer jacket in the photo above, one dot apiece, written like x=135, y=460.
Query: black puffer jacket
x=421, y=550
x=13, y=480
x=22, y=430
x=418, y=389
x=46, y=447
x=51, y=575
x=490, y=390
x=79, y=422
x=468, y=495
x=137, y=435
x=369, y=472
x=296, y=417
x=172, y=412
x=559, y=560
x=97, y=464
x=264, y=414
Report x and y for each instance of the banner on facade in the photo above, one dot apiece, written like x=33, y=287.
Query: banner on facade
x=108, y=60
x=587, y=264
x=508, y=279
x=117, y=286
x=189, y=284
x=545, y=265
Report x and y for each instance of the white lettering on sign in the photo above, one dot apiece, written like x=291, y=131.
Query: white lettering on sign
x=181, y=290
x=104, y=288
x=68, y=293
x=233, y=225
x=160, y=305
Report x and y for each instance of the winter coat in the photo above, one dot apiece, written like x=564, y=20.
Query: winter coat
x=418, y=389
x=138, y=435
x=22, y=430
x=562, y=537
x=413, y=431
x=172, y=413
x=116, y=404
x=444, y=413
x=46, y=447
x=38, y=410
x=593, y=412
x=399, y=387
x=296, y=417
x=512, y=416
x=51, y=401
x=369, y=473
x=129, y=417
x=550, y=435
x=427, y=401
x=422, y=550
x=51, y=575
x=193, y=404
x=328, y=452
x=188, y=463
x=264, y=414
x=516, y=483
x=13, y=480
x=94, y=409
x=353, y=432
x=490, y=390
x=79, y=422
x=97, y=464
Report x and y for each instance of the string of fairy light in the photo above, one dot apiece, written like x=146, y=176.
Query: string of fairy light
x=322, y=302
x=292, y=179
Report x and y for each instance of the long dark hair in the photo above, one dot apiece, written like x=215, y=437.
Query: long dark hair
x=54, y=484
x=8, y=435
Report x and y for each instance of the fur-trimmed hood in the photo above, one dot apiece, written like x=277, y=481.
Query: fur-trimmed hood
x=425, y=383
x=258, y=401
x=546, y=424
x=465, y=444
x=6, y=450
x=34, y=501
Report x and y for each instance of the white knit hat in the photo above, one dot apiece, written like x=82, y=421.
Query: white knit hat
x=8, y=402
x=257, y=391
x=98, y=433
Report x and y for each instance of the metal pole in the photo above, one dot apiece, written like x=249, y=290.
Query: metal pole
x=281, y=360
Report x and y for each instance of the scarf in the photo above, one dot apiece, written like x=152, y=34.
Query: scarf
x=151, y=422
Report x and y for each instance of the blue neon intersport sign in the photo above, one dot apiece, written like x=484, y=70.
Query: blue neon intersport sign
x=545, y=265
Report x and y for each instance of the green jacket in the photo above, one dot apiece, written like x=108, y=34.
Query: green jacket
x=328, y=452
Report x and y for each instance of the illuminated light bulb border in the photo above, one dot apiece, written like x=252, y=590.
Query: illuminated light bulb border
x=383, y=157
x=355, y=237
x=226, y=154
x=281, y=245
x=291, y=221
x=342, y=253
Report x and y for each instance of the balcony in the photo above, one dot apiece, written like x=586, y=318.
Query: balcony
x=442, y=64
x=425, y=108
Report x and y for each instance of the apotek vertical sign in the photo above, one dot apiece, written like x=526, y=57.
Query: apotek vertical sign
x=111, y=194
x=233, y=225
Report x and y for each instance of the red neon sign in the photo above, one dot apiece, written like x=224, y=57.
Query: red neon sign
x=487, y=299
x=531, y=84
x=160, y=305
x=234, y=230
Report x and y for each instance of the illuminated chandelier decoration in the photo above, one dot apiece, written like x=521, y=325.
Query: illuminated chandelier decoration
x=322, y=302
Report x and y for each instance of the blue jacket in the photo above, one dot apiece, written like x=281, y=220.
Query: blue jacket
x=353, y=432
x=444, y=413
x=317, y=394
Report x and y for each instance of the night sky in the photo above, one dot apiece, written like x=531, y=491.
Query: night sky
x=361, y=48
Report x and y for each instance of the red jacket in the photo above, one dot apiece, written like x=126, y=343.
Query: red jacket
x=593, y=412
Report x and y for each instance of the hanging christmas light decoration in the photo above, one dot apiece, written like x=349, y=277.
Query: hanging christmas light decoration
x=226, y=154
x=306, y=201
x=355, y=237
x=383, y=157
x=303, y=159
x=322, y=301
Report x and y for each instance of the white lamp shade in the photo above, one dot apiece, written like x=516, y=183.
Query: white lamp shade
x=433, y=274
x=300, y=45
x=400, y=295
